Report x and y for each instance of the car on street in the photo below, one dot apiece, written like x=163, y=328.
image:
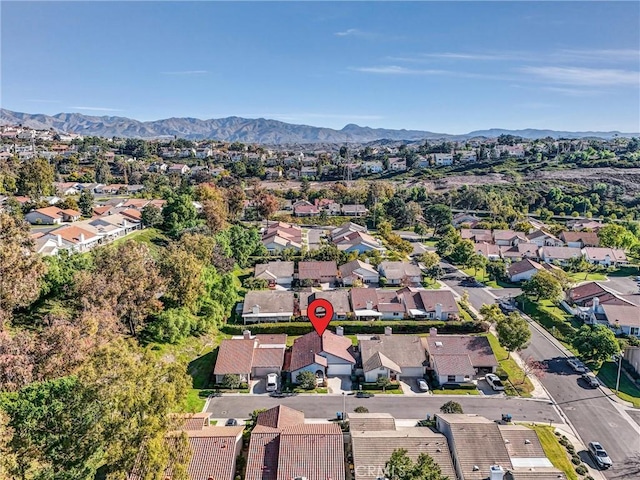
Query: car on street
x=232, y=422
x=494, y=382
x=364, y=395
x=272, y=382
x=590, y=380
x=422, y=385
x=600, y=455
x=576, y=365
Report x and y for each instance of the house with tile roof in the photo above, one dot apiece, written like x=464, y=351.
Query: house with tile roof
x=408, y=302
x=284, y=447
x=358, y=271
x=374, y=438
x=250, y=356
x=525, y=269
x=51, y=216
x=280, y=236
x=519, y=251
x=303, y=208
x=543, y=238
x=605, y=256
x=276, y=273
x=392, y=356
x=508, y=237
x=401, y=273
x=488, y=250
x=559, y=255
x=580, y=239
x=328, y=355
x=316, y=272
x=267, y=306
x=459, y=358
x=509, y=452
x=339, y=300
x=213, y=450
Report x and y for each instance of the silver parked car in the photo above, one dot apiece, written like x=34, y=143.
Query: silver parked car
x=422, y=385
x=494, y=381
x=576, y=365
x=600, y=455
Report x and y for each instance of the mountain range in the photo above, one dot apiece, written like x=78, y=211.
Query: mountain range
x=253, y=130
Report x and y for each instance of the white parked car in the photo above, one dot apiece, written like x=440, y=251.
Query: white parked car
x=494, y=381
x=576, y=365
x=422, y=385
x=600, y=455
x=272, y=382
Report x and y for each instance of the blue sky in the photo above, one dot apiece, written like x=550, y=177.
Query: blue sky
x=445, y=67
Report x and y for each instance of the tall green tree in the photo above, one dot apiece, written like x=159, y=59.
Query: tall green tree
x=85, y=202
x=20, y=268
x=401, y=467
x=513, y=332
x=451, y=407
x=151, y=216
x=438, y=216
x=179, y=214
x=35, y=179
x=543, y=286
x=596, y=343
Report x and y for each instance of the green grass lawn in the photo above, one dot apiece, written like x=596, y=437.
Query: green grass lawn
x=455, y=391
x=151, y=236
x=429, y=285
x=555, y=320
x=554, y=451
x=587, y=277
x=320, y=390
x=481, y=276
x=522, y=385
x=608, y=373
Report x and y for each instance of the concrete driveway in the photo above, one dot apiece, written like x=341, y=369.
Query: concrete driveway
x=409, y=386
x=258, y=386
x=622, y=285
x=486, y=389
x=339, y=384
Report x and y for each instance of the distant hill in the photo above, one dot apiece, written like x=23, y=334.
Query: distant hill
x=259, y=130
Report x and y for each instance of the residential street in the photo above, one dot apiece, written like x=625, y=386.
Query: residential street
x=594, y=416
x=326, y=406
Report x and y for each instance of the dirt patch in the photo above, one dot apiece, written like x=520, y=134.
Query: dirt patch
x=628, y=178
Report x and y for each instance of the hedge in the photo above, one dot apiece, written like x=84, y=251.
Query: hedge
x=356, y=327
x=375, y=386
x=459, y=386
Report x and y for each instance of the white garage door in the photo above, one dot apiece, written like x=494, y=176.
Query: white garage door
x=339, y=369
x=412, y=372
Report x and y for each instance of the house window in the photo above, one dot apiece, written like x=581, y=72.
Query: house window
x=635, y=331
x=451, y=378
x=395, y=314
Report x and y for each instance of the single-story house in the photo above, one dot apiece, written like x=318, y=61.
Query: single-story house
x=250, y=356
x=354, y=210
x=327, y=355
x=580, y=239
x=401, y=273
x=429, y=304
x=508, y=237
x=561, y=255
x=523, y=270
x=459, y=358
x=520, y=250
x=542, y=238
x=267, y=306
x=339, y=300
x=393, y=356
x=51, y=216
x=318, y=272
x=358, y=270
x=605, y=256
x=276, y=273
x=623, y=318
x=488, y=250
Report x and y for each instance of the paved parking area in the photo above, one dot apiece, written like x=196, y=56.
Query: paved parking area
x=409, y=386
x=339, y=384
x=623, y=285
x=486, y=389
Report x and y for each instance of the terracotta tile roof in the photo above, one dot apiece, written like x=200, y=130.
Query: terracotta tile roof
x=132, y=213
x=372, y=449
x=196, y=421
x=262, y=457
x=477, y=347
x=71, y=212
x=316, y=270
x=339, y=299
x=280, y=417
x=234, y=356
x=403, y=350
x=523, y=266
x=307, y=348
x=52, y=212
x=588, y=239
x=420, y=298
x=453, y=365
x=268, y=357
x=102, y=210
x=585, y=291
x=138, y=203
x=360, y=297
x=371, y=422
x=72, y=233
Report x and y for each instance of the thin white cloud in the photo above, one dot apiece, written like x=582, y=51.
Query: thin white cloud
x=186, y=72
x=98, y=109
x=584, y=76
x=469, y=56
x=40, y=100
x=351, y=32
x=608, y=55
x=398, y=70
x=575, y=92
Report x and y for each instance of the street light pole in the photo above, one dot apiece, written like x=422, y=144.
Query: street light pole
x=619, y=368
x=344, y=404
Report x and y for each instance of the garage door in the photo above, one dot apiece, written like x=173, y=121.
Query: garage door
x=339, y=369
x=412, y=372
x=262, y=372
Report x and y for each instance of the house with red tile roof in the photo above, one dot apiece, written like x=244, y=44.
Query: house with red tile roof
x=605, y=256
x=303, y=208
x=318, y=272
x=279, y=236
x=580, y=239
x=250, y=356
x=283, y=447
x=213, y=450
x=51, y=216
x=327, y=355
x=459, y=358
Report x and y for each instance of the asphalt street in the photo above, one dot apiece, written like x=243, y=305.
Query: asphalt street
x=326, y=406
x=594, y=416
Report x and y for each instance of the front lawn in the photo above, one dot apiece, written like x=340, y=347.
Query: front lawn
x=481, y=276
x=578, y=277
x=455, y=391
x=554, y=451
x=522, y=386
x=315, y=390
x=630, y=392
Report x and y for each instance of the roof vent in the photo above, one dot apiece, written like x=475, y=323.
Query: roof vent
x=507, y=441
x=476, y=468
x=527, y=442
x=438, y=344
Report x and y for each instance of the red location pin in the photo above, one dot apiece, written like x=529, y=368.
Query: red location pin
x=320, y=322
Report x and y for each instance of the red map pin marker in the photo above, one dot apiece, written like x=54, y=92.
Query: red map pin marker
x=319, y=321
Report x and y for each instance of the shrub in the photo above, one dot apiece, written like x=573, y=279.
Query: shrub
x=451, y=407
x=361, y=409
x=230, y=380
x=581, y=470
x=571, y=449
x=575, y=459
x=375, y=386
x=306, y=380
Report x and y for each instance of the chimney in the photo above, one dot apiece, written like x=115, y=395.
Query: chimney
x=340, y=331
x=433, y=332
x=596, y=303
x=369, y=305
x=82, y=238
x=256, y=309
x=496, y=472
x=59, y=240
x=388, y=331
x=438, y=310
x=246, y=334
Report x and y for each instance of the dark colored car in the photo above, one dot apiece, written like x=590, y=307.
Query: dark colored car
x=232, y=422
x=590, y=380
x=364, y=395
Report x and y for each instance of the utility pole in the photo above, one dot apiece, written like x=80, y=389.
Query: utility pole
x=619, y=368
